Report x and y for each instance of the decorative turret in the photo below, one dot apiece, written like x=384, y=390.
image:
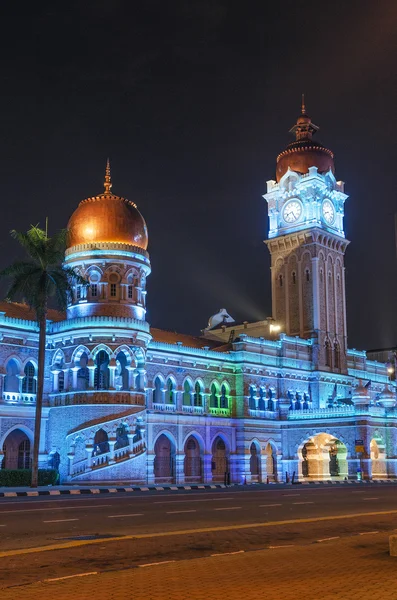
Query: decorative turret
x=387, y=397
x=360, y=395
x=304, y=152
x=107, y=241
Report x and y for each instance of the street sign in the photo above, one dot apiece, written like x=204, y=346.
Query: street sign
x=360, y=446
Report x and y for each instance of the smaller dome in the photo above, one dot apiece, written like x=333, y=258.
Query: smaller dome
x=303, y=152
x=360, y=394
x=387, y=397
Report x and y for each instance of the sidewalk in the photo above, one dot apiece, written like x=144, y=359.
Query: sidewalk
x=356, y=568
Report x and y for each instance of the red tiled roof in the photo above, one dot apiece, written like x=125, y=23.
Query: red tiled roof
x=171, y=337
x=17, y=310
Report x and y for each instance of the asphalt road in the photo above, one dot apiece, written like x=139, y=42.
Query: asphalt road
x=160, y=526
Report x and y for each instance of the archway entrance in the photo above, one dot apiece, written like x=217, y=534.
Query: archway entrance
x=323, y=457
x=164, y=460
x=193, y=463
x=255, y=466
x=17, y=451
x=220, y=460
x=271, y=462
x=378, y=459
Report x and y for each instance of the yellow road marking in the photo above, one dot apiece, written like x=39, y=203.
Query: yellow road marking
x=141, y=536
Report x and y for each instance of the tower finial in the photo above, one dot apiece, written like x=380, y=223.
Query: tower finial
x=303, y=107
x=108, y=180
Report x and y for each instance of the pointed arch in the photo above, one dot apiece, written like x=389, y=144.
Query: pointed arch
x=58, y=357
x=77, y=352
x=129, y=354
x=99, y=348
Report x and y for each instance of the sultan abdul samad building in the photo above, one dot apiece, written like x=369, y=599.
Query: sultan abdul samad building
x=125, y=402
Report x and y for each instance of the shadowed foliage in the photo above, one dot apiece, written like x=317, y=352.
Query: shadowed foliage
x=37, y=280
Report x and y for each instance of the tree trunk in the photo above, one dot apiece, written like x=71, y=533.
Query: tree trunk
x=39, y=400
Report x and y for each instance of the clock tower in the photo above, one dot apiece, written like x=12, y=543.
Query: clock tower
x=307, y=243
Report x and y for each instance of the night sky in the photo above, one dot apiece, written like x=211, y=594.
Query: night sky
x=192, y=100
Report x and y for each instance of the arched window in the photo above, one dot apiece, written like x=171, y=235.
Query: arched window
x=293, y=277
x=224, y=402
x=61, y=381
x=24, y=455
x=307, y=272
x=270, y=402
x=252, y=399
x=187, y=394
x=101, y=442
x=321, y=275
x=101, y=376
x=157, y=392
x=113, y=285
x=170, y=392
x=280, y=280
x=121, y=374
x=29, y=381
x=198, y=396
x=121, y=437
x=83, y=373
x=262, y=396
x=328, y=358
x=306, y=399
x=11, y=383
x=336, y=355
x=213, y=397
x=298, y=404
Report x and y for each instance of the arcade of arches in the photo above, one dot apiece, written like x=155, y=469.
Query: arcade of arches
x=323, y=457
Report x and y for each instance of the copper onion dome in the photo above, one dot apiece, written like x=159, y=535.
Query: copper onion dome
x=303, y=152
x=107, y=219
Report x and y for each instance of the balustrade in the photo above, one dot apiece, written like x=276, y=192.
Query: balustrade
x=19, y=398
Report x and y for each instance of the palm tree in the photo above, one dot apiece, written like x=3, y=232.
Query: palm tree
x=36, y=279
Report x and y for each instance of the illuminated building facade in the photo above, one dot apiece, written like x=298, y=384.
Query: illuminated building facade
x=128, y=403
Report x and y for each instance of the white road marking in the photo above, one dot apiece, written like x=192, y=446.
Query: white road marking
x=177, y=512
x=330, y=538
x=228, y=508
x=370, y=498
x=120, y=516
x=265, y=505
x=189, y=501
x=60, y=520
x=3, y=525
x=368, y=532
x=303, y=503
x=227, y=553
x=71, y=576
x=285, y=546
x=6, y=512
x=163, y=562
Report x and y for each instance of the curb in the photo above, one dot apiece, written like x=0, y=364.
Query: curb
x=158, y=488
x=112, y=490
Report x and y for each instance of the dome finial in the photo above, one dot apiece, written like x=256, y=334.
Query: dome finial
x=303, y=106
x=108, y=180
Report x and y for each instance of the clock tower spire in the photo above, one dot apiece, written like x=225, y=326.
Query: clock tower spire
x=307, y=245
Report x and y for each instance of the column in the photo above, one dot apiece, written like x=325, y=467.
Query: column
x=55, y=385
x=74, y=377
x=91, y=376
x=131, y=382
x=207, y=470
x=150, y=467
x=89, y=449
x=178, y=399
x=179, y=468
x=112, y=442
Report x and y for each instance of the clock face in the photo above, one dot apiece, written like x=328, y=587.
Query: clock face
x=292, y=211
x=328, y=212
